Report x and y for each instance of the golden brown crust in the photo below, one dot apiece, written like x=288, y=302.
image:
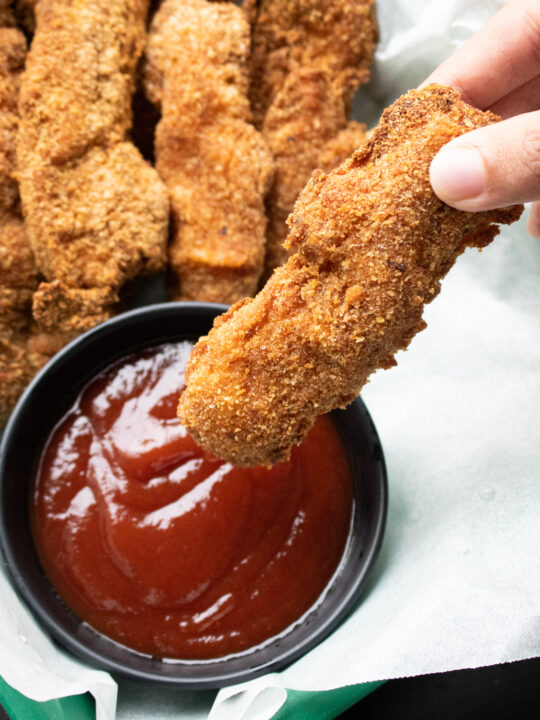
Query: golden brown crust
x=342, y=146
x=97, y=221
x=17, y=266
x=372, y=243
x=325, y=156
x=308, y=58
x=306, y=120
x=216, y=165
x=96, y=213
x=12, y=57
x=6, y=16
x=18, y=275
x=20, y=359
x=62, y=310
x=337, y=38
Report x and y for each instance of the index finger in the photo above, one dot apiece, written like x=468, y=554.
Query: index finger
x=502, y=56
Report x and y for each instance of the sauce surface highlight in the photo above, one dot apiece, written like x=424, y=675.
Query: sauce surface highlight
x=164, y=547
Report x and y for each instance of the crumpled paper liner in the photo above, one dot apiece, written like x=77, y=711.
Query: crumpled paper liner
x=32, y=664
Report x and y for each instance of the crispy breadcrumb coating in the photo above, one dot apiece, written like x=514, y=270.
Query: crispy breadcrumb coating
x=6, y=17
x=19, y=360
x=337, y=38
x=20, y=355
x=306, y=119
x=96, y=213
x=12, y=57
x=63, y=310
x=216, y=165
x=342, y=146
x=371, y=244
x=308, y=58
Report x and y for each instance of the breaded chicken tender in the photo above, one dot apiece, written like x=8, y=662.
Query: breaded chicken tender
x=96, y=213
x=342, y=146
x=337, y=38
x=306, y=122
x=214, y=162
x=371, y=243
x=21, y=353
x=308, y=58
x=65, y=312
x=23, y=350
x=19, y=359
x=12, y=58
x=6, y=17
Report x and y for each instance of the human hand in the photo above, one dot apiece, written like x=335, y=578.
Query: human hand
x=497, y=69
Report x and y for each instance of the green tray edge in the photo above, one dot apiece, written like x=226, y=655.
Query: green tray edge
x=300, y=704
x=323, y=704
x=19, y=707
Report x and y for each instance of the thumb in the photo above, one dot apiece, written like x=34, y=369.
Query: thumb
x=492, y=167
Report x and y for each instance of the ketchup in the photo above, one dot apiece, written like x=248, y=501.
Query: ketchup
x=167, y=549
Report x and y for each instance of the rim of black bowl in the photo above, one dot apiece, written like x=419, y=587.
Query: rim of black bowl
x=49, y=396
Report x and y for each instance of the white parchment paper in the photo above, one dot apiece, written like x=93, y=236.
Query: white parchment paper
x=32, y=664
x=457, y=584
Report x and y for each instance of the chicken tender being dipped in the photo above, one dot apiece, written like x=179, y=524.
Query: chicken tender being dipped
x=96, y=213
x=371, y=243
x=214, y=162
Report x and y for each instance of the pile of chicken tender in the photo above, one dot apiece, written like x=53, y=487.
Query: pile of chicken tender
x=172, y=137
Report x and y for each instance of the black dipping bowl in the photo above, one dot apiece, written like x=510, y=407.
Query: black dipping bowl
x=49, y=397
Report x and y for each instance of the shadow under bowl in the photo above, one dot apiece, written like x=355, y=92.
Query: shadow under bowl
x=51, y=394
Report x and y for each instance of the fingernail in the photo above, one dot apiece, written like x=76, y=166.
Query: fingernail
x=458, y=174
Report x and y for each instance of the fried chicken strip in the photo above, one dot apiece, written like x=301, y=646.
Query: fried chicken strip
x=21, y=353
x=306, y=121
x=215, y=163
x=19, y=359
x=23, y=350
x=6, y=16
x=308, y=58
x=342, y=146
x=371, y=244
x=95, y=211
x=337, y=38
x=12, y=58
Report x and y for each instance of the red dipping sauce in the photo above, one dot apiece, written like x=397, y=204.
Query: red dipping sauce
x=164, y=547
